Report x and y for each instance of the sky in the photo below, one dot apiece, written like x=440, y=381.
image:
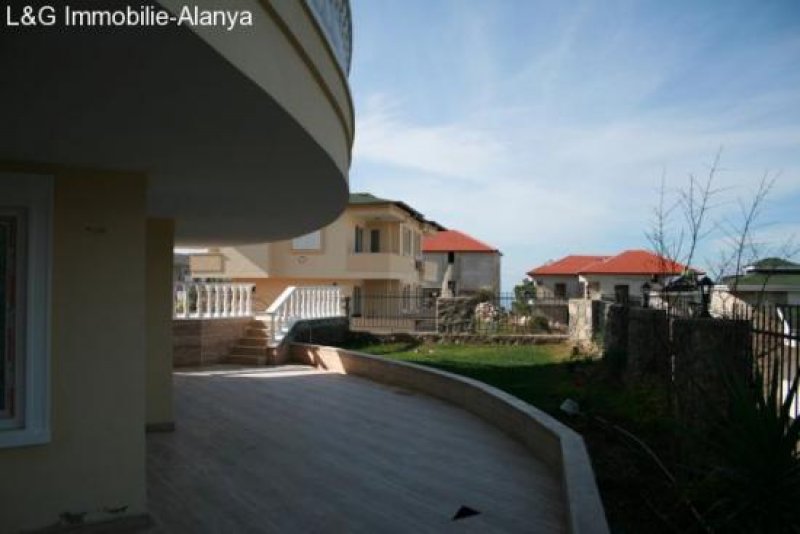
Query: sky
x=545, y=128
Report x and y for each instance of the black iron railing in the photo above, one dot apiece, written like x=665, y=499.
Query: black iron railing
x=490, y=314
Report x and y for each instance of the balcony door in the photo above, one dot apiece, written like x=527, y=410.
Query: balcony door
x=374, y=240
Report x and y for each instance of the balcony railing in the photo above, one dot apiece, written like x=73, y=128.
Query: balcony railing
x=212, y=301
x=335, y=20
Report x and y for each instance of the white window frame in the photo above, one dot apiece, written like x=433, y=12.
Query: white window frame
x=34, y=194
x=302, y=242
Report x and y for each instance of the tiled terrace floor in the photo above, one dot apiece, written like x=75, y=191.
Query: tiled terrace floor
x=290, y=449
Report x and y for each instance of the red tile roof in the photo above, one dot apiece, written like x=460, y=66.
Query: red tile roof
x=454, y=241
x=628, y=262
x=635, y=262
x=569, y=265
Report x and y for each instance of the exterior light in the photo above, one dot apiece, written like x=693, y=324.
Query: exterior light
x=705, y=284
x=646, y=294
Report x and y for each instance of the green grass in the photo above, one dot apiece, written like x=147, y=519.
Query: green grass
x=534, y=373
x=542, y=375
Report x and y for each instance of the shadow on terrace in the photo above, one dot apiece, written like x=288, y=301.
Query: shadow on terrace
x=293, y=449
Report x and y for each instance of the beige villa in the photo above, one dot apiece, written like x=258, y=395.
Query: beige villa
x=373, y=248
x=116, y=145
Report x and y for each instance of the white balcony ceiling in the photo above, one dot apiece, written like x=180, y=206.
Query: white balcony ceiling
x=223, y=158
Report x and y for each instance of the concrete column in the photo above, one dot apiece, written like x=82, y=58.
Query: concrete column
x=160, y=241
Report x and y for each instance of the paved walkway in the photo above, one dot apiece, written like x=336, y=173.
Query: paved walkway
x=290, y=449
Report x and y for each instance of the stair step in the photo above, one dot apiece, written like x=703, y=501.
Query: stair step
x=257, y=332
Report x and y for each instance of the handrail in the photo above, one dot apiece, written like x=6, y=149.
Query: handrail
x=298, y=303
x=197, y=300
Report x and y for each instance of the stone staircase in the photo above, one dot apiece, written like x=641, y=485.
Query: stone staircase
x=253, y=348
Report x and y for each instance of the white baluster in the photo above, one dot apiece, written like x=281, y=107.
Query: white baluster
x=206, y=300
x=198, y=298
x=248, y=305
x=226, y=300
x=217, y=300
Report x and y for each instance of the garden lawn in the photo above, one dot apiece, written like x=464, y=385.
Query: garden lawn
x=542, y=375
x=535, y=373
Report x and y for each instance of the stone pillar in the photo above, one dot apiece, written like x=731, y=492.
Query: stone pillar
x=158, y=271
x=704, y=349
x=580, y=320
x=648, y=345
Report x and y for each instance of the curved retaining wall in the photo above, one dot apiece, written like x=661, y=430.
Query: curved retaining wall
x=548, y=439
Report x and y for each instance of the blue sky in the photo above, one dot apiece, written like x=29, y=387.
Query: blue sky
x=544, y=127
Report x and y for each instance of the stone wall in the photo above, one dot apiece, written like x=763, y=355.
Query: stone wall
x=615, y=335
x=205, y=341
x=648, y=344
x=455, y=314
x=705, y=349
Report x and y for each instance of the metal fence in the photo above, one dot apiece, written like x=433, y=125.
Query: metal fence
x=775, y=338
x=489, y=314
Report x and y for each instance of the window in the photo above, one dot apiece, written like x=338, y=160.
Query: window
x=621, y=293
x=406, y=242
x=25, y=212
x=417, y=248
x=375, y=240
x=359, y=240
x=312, y=241
x=12, y=260
x=560, y=291
x=451, y=258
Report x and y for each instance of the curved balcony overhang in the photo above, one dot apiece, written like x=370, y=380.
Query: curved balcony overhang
x=245, y=136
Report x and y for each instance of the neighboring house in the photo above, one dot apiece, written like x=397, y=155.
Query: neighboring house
x=464, y=264
x=618, y=278
x=116, y=144
x=560, y=279
x=373, y=248
x=767, y=281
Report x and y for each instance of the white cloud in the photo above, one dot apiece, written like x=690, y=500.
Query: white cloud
x=465, y=151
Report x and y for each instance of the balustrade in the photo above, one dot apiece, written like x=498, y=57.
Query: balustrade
x=193, y=300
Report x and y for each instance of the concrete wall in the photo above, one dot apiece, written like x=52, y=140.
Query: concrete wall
x=159, y=272
x=95, y=461
x=472, y=271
